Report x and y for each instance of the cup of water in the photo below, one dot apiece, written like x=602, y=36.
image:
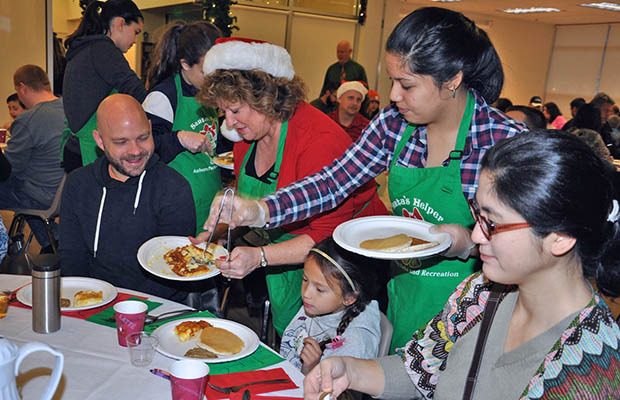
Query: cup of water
x=141, y=348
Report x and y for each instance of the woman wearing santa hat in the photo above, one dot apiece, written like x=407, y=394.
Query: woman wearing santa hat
x=445, y=72
x=284, y=140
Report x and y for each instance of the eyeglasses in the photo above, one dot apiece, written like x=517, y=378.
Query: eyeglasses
x=487, y=227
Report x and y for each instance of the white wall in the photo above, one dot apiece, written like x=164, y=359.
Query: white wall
x=582, y=64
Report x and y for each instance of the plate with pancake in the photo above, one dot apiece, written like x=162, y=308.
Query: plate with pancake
x=76, y=293
x=390, y=238
x=176, y=258
x=225, y=160
x=212, y=340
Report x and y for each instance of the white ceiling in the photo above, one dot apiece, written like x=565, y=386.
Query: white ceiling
x=571, y=12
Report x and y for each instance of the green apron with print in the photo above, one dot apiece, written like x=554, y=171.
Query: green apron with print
x=283, y=282
x=419, y=289
x=198, y=169
x=88, y=147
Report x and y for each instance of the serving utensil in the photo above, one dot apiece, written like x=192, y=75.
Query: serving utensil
x=236, y=388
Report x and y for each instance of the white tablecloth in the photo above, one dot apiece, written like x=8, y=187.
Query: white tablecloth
x=96, y=367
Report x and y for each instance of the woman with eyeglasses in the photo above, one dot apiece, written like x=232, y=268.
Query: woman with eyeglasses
x=530, y=325
x=445, y=72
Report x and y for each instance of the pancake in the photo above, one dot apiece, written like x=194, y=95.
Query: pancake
x=397, y=243
x=87, y=298
x=220, y=341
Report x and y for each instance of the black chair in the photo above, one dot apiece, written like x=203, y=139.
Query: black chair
x=16, y=231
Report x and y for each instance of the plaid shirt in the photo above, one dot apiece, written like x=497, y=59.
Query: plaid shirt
x=372, y=154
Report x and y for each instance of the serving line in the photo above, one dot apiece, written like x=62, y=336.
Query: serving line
x=96, y=367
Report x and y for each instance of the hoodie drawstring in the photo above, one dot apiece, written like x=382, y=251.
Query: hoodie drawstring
x=101, y=203
x=137, y=199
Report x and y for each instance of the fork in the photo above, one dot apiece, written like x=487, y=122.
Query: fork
x=233, y=389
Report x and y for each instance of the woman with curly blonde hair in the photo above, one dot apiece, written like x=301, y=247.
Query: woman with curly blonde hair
x=281, y=140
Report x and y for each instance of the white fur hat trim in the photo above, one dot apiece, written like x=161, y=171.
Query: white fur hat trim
x=265, y=57
x=352, y=85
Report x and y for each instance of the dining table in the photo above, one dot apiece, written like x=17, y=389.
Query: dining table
x=97, y=367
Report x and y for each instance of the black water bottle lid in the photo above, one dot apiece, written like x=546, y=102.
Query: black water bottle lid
x=44, y=263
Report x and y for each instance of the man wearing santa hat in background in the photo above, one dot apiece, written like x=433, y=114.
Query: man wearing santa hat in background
x=350, y=98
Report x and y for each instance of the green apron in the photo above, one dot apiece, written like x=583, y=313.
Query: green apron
x=203, y=176
x=283, y=282
x=88, y=147
x=419, y=289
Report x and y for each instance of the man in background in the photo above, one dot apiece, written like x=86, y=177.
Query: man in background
x=345, y=69
x=532, y=117
x=350, y=98
x=33, y=153
x=575, y=105
x=327, y=101
x=112, y=206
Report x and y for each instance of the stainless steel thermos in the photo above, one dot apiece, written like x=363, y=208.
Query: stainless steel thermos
x=45, y=293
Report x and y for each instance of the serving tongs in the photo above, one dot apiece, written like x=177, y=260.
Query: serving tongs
x=228, y=192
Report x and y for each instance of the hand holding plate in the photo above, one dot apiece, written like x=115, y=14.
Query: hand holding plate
x=462, y=245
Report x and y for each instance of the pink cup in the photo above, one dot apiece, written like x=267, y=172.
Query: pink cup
x=129, y=316
x=188, y=379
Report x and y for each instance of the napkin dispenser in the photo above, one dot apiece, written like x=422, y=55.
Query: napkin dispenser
x=10, y=360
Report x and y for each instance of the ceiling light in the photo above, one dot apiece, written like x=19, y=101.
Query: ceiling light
x=530, y=10
x=603, y=6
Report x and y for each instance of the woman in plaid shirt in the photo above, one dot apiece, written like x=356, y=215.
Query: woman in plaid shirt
x=431, y=139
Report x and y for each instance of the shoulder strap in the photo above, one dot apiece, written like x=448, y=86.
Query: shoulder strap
x=489, y=312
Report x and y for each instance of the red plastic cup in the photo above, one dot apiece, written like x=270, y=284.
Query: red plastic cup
x=3, y=135
x=188, y=379
x=129, y=317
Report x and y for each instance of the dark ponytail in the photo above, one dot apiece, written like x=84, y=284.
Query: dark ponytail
x=558, y=184
x=99, y=14
x=440, y=43
x=362, y=274
x=180, y=41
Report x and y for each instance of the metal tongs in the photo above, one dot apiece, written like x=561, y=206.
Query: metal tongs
x=231, y=192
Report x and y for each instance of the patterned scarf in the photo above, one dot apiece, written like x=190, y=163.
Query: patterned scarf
x=584, y=363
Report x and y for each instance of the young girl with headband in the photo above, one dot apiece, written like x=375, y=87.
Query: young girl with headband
x=338, y=316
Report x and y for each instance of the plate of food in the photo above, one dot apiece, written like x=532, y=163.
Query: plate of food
x=211, y=340
x=390, y=238
x=176, y=258
x=76, y=293
x=225, y=160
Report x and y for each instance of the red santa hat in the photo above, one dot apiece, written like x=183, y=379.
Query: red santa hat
x=248, y=54
x=373, y=95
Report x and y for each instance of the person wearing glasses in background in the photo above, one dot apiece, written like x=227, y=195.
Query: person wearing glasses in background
x=445, y=73
x=547, y=333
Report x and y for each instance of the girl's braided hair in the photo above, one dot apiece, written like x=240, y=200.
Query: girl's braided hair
x=360, y=271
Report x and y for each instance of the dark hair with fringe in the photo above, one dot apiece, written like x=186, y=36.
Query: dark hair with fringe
x=588, y=117
x=553, y=110
x=180, y=41
x=440, y=43
x=269, y=95
x=558, y=184
x=99, y=14
x=14, y=97
x=534, y=118
x=360, y=271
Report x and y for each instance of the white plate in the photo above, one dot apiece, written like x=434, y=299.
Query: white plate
x=350, y=234
x=170, y=345
x=219, y=160
x=151, y=257
x=69, y=286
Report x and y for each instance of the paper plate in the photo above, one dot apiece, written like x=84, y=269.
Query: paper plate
x=69, y=286
x=350, y=234
x=151, y=257
x=224, y=160
x=170, y=345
